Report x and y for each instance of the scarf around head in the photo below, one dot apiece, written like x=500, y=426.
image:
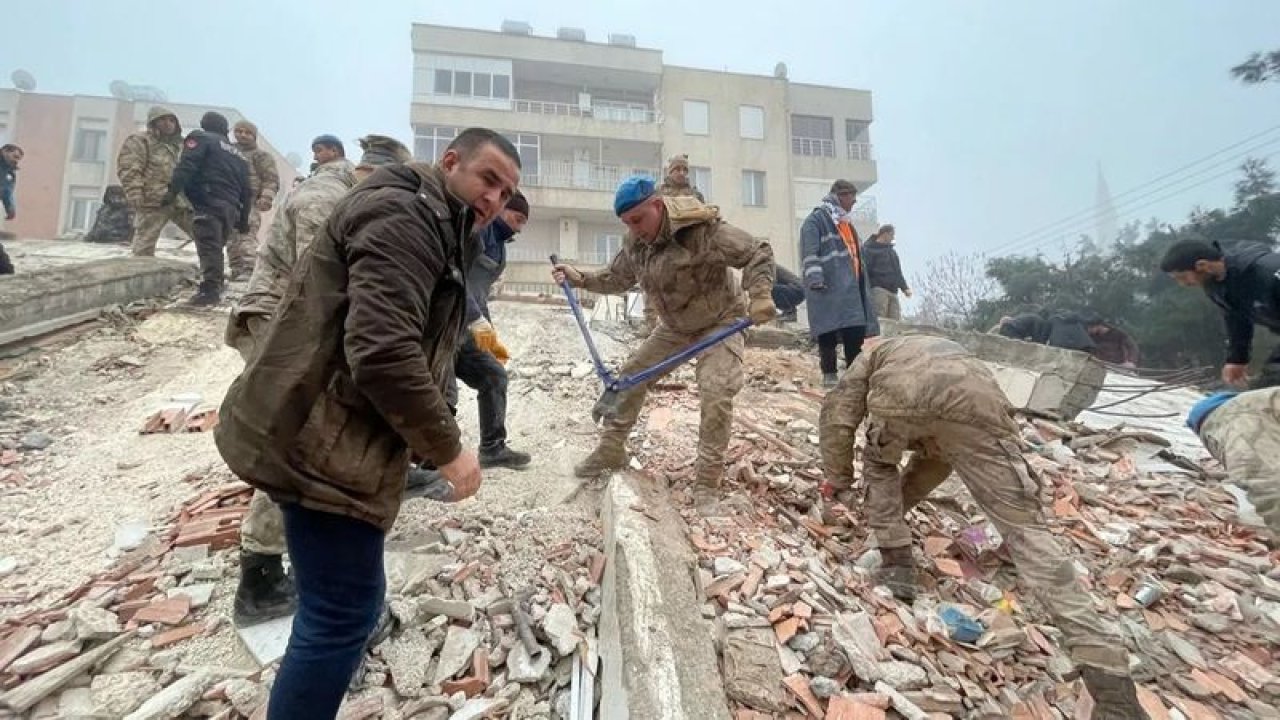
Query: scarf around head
x=832, y=205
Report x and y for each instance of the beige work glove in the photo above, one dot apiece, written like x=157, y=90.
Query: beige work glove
x=761, y=310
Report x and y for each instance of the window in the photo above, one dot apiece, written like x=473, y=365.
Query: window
x=751, y=122
x=502, y=87
x=813, y=135
x=529, y=147
x=462, y=83
x=697, y=117
x=444, y=82
x=482, y=85
x=856, y=130
x=700, y=178
x=607, y=245
x=752, y=188
x=468, y=84
x=81, y=210
x=91, y=145
x=430, y=142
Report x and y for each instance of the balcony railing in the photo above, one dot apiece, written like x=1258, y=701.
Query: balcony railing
x=581, y=176
x=605, y=113
x=859, y=151
x=813, y=147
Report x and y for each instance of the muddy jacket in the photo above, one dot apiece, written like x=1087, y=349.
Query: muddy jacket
x=685, y=271
x=884, y=268
x=916, y=378
x=350, y=376
x=1249, y=294
x=264, y=179
x=146, y=161
x=1244, y=435
x=296, y=224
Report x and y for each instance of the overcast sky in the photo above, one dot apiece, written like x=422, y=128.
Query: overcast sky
x=991, y=118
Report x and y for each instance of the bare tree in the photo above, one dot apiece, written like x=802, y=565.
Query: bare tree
x=950, y=288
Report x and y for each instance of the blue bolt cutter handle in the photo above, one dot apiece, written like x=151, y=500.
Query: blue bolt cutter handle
x=605, y=376
x=645, y=375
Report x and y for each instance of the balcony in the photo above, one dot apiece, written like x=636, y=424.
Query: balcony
x=544, y=118
x=604, y=113
x=817, y=158
x=813, y=147
x=568, y=175
x=859, y=151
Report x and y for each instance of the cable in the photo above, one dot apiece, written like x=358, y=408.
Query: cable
x=1074, y=218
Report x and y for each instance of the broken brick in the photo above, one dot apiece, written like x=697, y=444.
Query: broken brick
x=787, y=629
x=176, y=635
x=170, y=611
x=842, y=707
x=799, y=687
x=17, y=643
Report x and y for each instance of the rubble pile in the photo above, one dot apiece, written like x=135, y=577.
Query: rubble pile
x=803, y=631
x=457, y=640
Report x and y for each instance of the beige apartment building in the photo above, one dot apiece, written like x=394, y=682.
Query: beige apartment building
x=584, y=115
x=71, y=143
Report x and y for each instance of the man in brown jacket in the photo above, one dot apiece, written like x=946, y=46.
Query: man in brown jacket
x=931, y=396
x=349, y=382
x=680, y=253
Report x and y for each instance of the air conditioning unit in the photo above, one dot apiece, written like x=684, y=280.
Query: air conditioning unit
x=574, y=34
x=622, y=40
x=516, y=27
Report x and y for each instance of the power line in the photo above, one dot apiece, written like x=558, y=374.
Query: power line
x=1070, y=219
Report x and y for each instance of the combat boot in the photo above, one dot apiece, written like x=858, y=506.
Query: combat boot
x=898, y=573
x=606, y=457
x=264, y=592
x=205, y=298
x=503, y=456
x=1114, y=696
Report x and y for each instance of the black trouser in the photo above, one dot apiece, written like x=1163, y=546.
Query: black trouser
x=483, y=373
x=212, y=225
x=852, y=338
x=786, y=296
x=1270, y=375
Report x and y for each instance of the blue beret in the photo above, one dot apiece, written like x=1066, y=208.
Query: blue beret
x=633, y=191
x=1201, y=410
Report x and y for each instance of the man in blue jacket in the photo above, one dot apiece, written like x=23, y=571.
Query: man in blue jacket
x=1244, y=281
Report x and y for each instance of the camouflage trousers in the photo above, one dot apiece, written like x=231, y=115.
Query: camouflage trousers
x=242, y=248
x=720, y=378
x=888, y=307
x=148, y=223
x=1005, y=488
x=262, y=530
x=1244, y=435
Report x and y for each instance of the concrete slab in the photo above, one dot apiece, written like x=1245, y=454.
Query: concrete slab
x=45, y=300
x=658, y=658
x=267, y=641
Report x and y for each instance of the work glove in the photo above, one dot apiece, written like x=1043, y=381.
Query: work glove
x=487, y=340
x=168, y=199
x=761, y=310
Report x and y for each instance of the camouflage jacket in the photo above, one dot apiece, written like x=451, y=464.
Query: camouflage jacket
x=146, y=162
x=685, y=273
x=297, y=223
x=264, y=179
x=669, y=189
x=1244, y=435
x=914, y=378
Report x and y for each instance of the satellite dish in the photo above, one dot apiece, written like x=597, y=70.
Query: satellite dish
x=294, y=159
x=119, y=89
x=23, y=80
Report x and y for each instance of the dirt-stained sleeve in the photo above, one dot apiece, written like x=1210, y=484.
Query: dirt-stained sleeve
x=130, y=166
x=842, y=412
x=754, y=257
x=616, y=279
x=389, y=283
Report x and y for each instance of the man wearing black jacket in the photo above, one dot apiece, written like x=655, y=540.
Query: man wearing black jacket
x=215, y=177
x=1244, y=281
x=884, y=272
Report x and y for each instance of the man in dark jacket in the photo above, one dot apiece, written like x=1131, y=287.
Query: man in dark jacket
x=884, y=272
x=788, y=293
x=1244, y=282
x=10, y=156
x=214, y=176
x=348, y=383
x=481, y=357
x=1064, y=330
x=839, y=296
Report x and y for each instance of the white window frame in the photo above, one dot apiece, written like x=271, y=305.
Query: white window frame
x=751, y=196
x=751, y=122
x=82, y=209
x=527, y=143
x=80, y=149
x=611, y=244
x=692, y=111
x=700, y=178
x=438, y=136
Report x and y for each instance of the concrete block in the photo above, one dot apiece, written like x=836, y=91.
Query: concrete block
x=267, y=641
x=46, y=300
x=658, y=658
x=1035, y=377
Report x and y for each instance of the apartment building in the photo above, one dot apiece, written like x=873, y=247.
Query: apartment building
x=584, y=115
x=71, y=143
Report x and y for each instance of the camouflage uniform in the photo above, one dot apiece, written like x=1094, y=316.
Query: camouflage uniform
x=686, y=275
x=932, y=396
x=1244, y=435
x=264, y=183
x=668, y=189
x=296, y=224
x=145, y=166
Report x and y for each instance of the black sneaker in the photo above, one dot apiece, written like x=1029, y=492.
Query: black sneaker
x=204, y=298
x=503, y=456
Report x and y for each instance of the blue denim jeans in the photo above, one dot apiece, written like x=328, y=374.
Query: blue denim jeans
x=337, y=565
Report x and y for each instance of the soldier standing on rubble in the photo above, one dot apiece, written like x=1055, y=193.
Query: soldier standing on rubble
x=145, y=167
x=349, y=382
x=1245, y=283
x=214, y=176
x=1242, y=430
x=264, y=183
x=932, y=396
x=680, y=253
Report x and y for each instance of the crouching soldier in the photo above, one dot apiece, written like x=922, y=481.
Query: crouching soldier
x=933, y=397
x=1242, y=430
